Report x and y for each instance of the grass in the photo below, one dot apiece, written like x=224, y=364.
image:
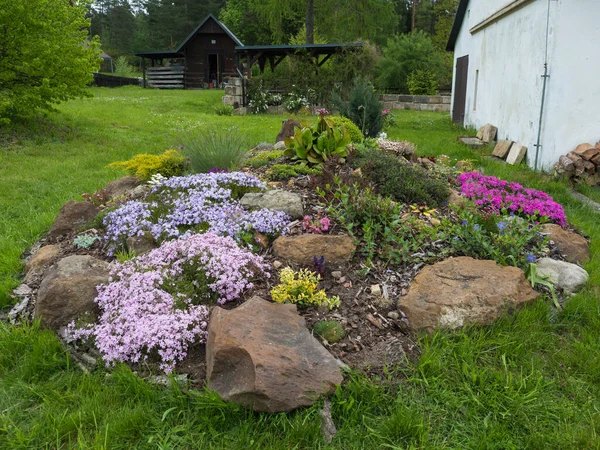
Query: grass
x=532, y=380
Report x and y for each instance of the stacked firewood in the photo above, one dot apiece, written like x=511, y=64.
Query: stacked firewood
x=581, y=165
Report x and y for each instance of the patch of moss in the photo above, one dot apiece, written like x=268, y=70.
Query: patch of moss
x=284, y=172
x=262, y=159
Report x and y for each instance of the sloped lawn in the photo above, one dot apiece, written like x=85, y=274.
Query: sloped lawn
x=530, y=381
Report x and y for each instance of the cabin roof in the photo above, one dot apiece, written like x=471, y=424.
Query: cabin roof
x=458, y=21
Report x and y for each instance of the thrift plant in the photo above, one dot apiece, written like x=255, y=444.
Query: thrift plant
x=155, y=305
x=495, y=196
x=330, y=330
x=301, y=288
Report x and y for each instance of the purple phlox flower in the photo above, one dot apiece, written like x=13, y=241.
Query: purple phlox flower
x=476, y=227
x=501, y=225
x=531, y=258
x=464, y=222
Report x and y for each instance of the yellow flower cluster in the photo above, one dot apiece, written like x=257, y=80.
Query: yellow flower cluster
x=144, y=165
x=301, y=288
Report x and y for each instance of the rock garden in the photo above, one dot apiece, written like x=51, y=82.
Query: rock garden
x=270, y=277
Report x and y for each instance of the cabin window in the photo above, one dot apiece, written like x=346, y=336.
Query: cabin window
x=214, y=41
x=475, y=93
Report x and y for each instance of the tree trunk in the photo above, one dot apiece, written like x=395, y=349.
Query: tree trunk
x=414, y=15
x=310, y=22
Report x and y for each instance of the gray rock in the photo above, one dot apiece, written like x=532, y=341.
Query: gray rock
x=280, y=146
x=472, y=142
x=140, y=191
x=487, y=133
x=19, y=310
x=564, y=275
x=264, y=147
x=69, y=289
x=122, y=186
x=141, y=244
x=502, y=148
x=276, y=199
x=516, y=155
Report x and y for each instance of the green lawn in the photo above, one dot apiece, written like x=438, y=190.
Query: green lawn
x=530, y=381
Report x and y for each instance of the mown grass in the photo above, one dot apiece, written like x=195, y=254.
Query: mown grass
x=532, y=380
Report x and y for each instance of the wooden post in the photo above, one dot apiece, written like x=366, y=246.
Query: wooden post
x=144, y=70
x=218, y=71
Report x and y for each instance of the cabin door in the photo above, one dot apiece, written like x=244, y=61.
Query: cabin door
x=460, y=90
x=214, y=69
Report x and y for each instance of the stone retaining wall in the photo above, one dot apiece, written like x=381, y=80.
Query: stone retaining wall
x=416, y=102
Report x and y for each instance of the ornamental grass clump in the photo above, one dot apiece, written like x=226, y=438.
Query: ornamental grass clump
x=495, y=196
x=194, y=204
x=155, y=305
x=301, y=288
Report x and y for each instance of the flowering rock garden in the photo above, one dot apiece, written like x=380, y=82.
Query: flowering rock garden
x=266, y=281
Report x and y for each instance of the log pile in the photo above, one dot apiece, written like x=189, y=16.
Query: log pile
x=581, y=165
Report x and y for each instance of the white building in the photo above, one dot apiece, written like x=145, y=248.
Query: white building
x=501, y=48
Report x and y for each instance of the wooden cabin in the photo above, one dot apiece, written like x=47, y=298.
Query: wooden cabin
x=202, y=60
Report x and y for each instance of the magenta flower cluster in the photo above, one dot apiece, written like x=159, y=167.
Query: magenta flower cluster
x=316, y=225
x=195, y=203
x=140, y=316
x=497, y=196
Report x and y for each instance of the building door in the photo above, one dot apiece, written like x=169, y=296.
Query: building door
x=460, y=90
x=214, y=69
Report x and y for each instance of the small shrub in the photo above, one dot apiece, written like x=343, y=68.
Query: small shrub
x=85, y=241
x=212, y=148
x=122, y=67
x=224, y=110
x=362, y=107
x=144, y=166
x=330, y=330
x=350, y=127
x=282, y=172
x=259, y=98
x=98, y=198
x=401, y=181
x=422, y=82
x=301, y=288
x=125, y=255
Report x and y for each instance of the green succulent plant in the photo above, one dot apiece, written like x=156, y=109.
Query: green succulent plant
x=318, y=143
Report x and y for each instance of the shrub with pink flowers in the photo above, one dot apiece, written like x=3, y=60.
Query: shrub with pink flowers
x=316, y=225
x=198, y=203
x=497, y=196
x=155, y=305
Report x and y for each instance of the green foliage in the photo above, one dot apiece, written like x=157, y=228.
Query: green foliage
x=403, y=182
x=422, y=82
x=362, y=107
x=283, y=172
x=224, y=110
x=350, y=127
x=215, y=148
x=259, y=98
x=122, y=67
x=330, y=330
x=535, y=280
x=301, y=288
x=85, y=241
x=143, y=165
x=318, y=143
x=263, y=158
x=44, y=57
x=402, y=56
x=124, y=255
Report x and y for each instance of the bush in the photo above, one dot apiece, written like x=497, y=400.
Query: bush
x=405, y=54
x=362, y=107
x=215, y=148
x=401, y=181
x=356, y=135
x=422, y=82
x=144, y=165
x=284, y=172
x=122, y=67
x=330, y=330
x=224, y=110
x=301, y=288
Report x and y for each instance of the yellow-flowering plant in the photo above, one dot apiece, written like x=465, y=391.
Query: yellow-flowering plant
x=301, y=288
x=144, y=166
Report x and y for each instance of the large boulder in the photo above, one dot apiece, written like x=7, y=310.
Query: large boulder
x=262, y=356
x=301, y=249
x=122, y=186
x=462, y=291
x=572, y=245
x=70, y=217
x=68, y=290
x=564, y=275
x=37, y=263
x=276, y=199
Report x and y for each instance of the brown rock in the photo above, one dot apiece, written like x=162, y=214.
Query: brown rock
x=586, y=151
x=301, y=249
x=287, y=129
x=566, y=164
x=70, y=217
x=589, y=167
x=69, y=289
x=596, y=159
x=461, y=291
x=119, y=187
x=141, y=244
x=38, y=262
x=456, y=199
x=598, y=145
x=572, y=245
x=261, y=355
x=502, y=148
x=487, y=133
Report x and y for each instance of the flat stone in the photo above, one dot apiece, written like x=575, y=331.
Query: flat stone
x=69, y=289
x=261, y=355
x=516, y=155
x=487, y=133
x=37, y=263
x=301, y=249
x=574, y=246
x=70, y=217
x=502, y=148
x=586, y=151
x=276, y=199
x=472, y=142
x=22, y=291
x=279, y=146
x=122, y=186
x=464, y=291
x=564, y=275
